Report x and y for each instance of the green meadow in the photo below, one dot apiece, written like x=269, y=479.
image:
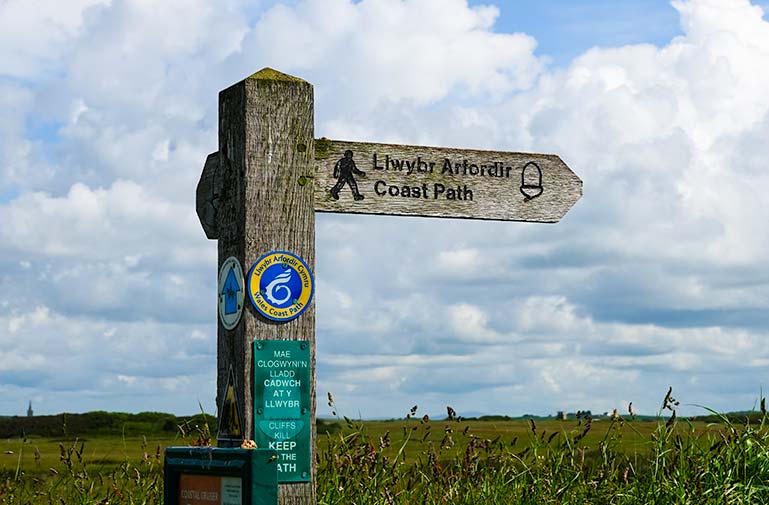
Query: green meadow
x=719, y=460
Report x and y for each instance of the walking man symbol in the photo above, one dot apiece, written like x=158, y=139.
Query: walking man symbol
x=344, y=171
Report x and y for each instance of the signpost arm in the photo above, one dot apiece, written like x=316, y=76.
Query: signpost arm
x=266, y=152
x=404, y=180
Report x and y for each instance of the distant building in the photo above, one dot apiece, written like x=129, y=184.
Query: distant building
x=580, y=414
x=30, y=412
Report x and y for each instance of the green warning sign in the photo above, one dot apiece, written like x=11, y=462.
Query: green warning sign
x=282, y=405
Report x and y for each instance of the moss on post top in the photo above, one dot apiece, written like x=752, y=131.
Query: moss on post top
x=269, y=74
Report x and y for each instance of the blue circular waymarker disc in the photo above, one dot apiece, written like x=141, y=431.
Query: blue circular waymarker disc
x=280, y=285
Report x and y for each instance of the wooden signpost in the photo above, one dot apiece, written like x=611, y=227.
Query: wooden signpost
x=258, y=195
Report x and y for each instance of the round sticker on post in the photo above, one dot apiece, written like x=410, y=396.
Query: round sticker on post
x=280, y=285
x=232, y=292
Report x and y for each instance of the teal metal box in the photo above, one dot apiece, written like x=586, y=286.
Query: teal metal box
x=217, y=476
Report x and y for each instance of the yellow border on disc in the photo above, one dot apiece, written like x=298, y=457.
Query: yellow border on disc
x=266, y=308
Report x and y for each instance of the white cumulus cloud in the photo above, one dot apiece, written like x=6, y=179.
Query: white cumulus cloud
x=656, y=276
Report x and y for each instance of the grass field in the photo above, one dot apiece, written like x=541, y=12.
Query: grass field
x=410, y=438
x=616, y=460
x=39, y=455
x=104, y=453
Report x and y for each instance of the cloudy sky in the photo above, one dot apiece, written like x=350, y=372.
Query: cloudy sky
x=658, y=277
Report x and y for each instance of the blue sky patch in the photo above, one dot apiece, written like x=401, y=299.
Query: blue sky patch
x=565, y=29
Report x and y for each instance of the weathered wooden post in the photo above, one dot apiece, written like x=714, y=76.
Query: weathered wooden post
x=253, y=199
x=258, y=195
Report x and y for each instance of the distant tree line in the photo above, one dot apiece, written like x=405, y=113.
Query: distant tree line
x=101, y=423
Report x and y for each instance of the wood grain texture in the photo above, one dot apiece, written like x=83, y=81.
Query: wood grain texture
x=460, y=183
x=266, y=145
